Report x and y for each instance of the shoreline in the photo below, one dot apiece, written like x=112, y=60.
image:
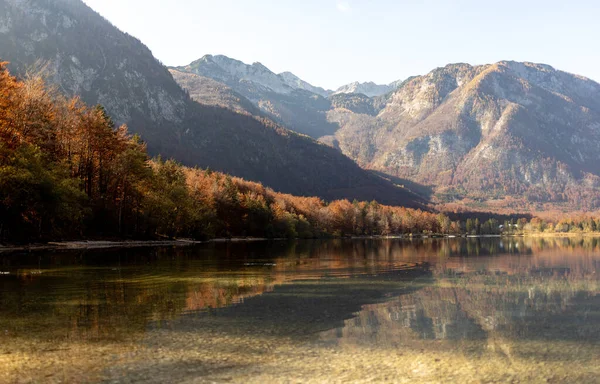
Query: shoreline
x=91, y=244
x=107, y=244
x=564, y=235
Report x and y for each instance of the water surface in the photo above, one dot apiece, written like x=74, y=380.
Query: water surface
x=432, y=310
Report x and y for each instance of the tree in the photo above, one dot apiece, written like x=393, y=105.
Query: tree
x=444, y=223
x=37, y=197
x=470, y=226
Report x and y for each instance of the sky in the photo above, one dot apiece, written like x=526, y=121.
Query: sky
x=330, y=43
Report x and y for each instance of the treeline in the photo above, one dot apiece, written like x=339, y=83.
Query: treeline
x=580, y=224
x=67, y=172
x=583, y=223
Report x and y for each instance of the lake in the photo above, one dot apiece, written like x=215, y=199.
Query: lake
x=426, y=310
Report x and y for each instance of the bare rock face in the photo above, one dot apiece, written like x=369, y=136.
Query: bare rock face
x=237, y=74
x=369, y=89
x=486, y=131
x=297, y=83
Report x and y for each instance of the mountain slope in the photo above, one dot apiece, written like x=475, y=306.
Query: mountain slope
x=369, y=89
x=486, y=132
x=297, y=83
x=210, y=92
x=95, y=60
x=92, y=59
x=285, y=98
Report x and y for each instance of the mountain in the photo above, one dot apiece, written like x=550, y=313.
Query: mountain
x=358, y=103
x=91, y=58
x=285, y=98
x=238, y=74
x=297, y=83
x=210, y=92
x=506, y=130
x=369, y=89
x=232, y=72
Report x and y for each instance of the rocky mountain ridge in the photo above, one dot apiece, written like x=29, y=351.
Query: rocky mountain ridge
x=485, y=132
x=369, y=89
x=284, y=97
x=505, y=130
x=235, y=73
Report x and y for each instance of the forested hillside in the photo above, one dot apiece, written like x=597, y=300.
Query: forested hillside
x=66, y=171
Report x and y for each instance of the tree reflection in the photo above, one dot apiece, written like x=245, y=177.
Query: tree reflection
x=482, y=295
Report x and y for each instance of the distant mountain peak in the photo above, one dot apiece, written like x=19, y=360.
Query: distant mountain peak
x=369, y=89
x=213, y=59
x=231, y=71
x=285, y=98
x=260, y=66
x=297, y=83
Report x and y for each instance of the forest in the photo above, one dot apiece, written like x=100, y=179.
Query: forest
x=67, y=172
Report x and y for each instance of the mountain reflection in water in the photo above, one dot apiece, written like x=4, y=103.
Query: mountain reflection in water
x=388, y=310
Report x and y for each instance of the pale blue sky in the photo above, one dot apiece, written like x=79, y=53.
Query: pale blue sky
x=333, y=42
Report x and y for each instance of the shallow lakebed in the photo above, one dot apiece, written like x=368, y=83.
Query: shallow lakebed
x=423, y=310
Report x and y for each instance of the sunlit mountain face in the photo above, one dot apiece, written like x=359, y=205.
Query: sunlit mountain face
x=522, y=133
